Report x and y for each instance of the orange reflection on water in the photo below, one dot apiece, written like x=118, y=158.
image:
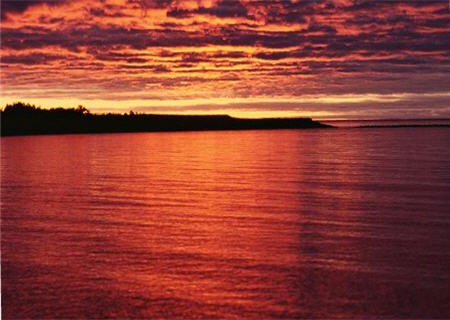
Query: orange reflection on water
x=251, y=224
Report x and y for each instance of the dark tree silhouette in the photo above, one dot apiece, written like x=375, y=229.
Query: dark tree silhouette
x=22, y=118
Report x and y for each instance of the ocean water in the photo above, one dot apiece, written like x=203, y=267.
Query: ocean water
x=338, y=223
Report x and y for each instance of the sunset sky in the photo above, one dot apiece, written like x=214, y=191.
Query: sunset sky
x=343, y=59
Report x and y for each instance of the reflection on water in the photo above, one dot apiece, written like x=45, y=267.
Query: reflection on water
x=251, y=224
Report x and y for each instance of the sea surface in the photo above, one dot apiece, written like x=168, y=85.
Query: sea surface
x=327, y=223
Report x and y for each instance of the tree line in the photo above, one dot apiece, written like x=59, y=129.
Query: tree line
x=22, y=119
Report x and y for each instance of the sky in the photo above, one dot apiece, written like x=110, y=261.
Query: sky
x=343, y=59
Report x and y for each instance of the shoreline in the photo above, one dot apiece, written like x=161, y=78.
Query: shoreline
x=22, y=119
x=211, y=130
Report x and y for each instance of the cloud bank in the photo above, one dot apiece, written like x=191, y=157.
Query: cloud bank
x=271, y=56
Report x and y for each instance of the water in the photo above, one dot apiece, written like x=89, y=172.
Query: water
x=340, y=223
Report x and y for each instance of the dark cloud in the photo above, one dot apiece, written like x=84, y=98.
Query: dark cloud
x=223, y=9
x=290, y=12
x=367, y=19
x=194, y=57
x=438, y=23
x=117, y=56
x=150, y=4
x=100, y=12
x=19, y=6
x=34, y=58
x=229, y=54
x=370, y=5
x=95, y=36
x=273, y=55
x=317, y=27
x=256, y=48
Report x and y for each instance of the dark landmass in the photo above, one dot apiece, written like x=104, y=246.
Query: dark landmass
x=406, y=126
x=390, y=120
x=25, y=119
x=390, y=123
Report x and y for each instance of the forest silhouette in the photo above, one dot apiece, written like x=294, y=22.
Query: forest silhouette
x=25, y=119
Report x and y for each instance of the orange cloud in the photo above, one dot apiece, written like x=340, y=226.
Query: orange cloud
x=117, y=52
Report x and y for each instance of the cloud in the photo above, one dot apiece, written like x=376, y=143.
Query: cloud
x=223, y=9
x=223, y=48
x=19, y=6
x=34, y=58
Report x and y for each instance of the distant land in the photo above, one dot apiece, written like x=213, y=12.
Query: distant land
x=25, y=119
x=389, y=123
